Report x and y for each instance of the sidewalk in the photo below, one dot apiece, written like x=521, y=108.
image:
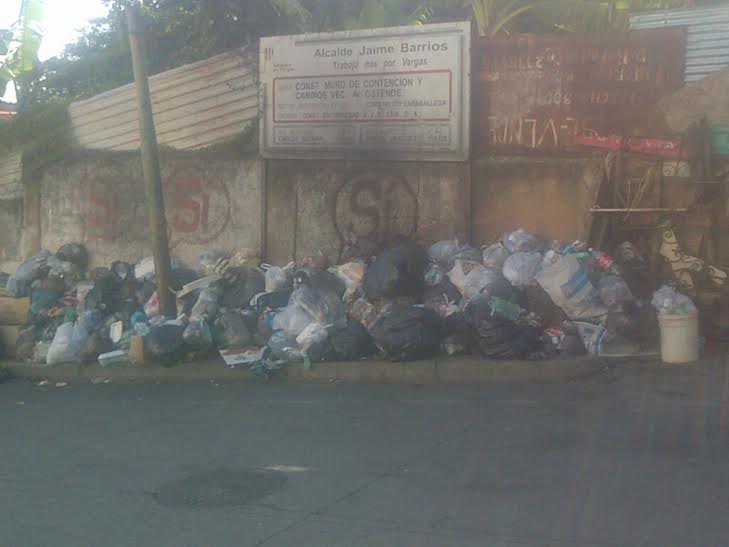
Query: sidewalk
x=450, y=370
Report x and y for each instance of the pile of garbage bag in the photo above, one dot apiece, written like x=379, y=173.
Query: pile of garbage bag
x=521, y=297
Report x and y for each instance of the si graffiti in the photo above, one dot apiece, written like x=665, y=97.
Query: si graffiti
x=197, y=203
x=375, y=207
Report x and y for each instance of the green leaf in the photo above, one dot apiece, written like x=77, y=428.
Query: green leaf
x=22, y=53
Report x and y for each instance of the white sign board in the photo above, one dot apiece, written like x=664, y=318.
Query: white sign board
x=397, y=93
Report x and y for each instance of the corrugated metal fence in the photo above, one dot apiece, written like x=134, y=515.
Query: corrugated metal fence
x=194, y=106
x=707, y=40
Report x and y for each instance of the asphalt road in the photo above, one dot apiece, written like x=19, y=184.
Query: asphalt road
x=633, y=457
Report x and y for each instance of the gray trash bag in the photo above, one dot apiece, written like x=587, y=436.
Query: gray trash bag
x=34, y=268
x=473, y=279
x=325, y=306
x=197, y=335
x=495, y=255
x=521, y=241
x=292, y=320
x=230, y=331
x=284, y=348
x=444, y=252
x=207, y=305
x=521, y=268
x=164, y=343
x=614, y=290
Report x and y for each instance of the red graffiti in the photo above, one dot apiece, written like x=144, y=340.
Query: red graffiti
x=199, y=206
x=197, y=203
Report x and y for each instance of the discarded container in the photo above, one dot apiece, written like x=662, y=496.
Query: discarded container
x=113, y=357
x=679, y=338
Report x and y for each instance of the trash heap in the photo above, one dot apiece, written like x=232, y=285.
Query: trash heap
x=519, y=298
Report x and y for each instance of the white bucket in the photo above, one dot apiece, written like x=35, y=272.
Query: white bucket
x=679, y=338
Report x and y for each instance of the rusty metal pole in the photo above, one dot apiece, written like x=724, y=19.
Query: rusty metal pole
x=150, y=164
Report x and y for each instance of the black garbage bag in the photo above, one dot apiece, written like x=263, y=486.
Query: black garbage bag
x=499, y=338
x=248, y=283
x=408, y=333
x=197, y=335
x=96, y=344
x=230, y=331
x=442, y=298
x=25, y=344
x=123, y=271
x=396, y=271
x=319, y=279
x=348, y=343
x=164, y=343
x=74, y=253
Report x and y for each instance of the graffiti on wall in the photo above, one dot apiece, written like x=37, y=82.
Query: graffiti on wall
x=376, y=207
x=197, y=202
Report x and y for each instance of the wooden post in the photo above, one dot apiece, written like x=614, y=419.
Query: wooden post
x=150, y=164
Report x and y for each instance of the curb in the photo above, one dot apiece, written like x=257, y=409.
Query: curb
x=435, y=371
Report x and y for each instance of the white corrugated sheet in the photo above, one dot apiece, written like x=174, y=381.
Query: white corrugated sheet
x=11, y=167
x=707, y=38
x=194, y=106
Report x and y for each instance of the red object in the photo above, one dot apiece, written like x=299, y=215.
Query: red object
x=664, y=148
x=611, y=142
x=604, y=261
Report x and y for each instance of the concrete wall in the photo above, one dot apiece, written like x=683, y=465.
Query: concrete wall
x=313, y=205
x=211, y=204
x=548, y=196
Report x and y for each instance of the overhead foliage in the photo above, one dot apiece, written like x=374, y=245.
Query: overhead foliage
x=19, y=47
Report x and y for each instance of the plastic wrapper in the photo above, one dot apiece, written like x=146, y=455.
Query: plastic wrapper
x=521, y=241
x=599, y=342
x=614, y=291
x=668, y=301
x=494, y=256
x=230, y=331
x=568, y=286
x=407, y=333
x=472, y=280
x=314, y=333
x=197, y=335
x=521, y=268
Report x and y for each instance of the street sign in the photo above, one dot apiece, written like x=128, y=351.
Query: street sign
x=396, y=93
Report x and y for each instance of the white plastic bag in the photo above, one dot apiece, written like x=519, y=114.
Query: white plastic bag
x=568, y=286
x=521, y=241
x=64, y=348
x=520, y=268
x=667, y=301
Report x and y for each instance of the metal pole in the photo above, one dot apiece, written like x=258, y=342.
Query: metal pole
x=150, y=164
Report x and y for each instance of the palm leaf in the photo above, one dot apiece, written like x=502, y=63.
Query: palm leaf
x=27, y=36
